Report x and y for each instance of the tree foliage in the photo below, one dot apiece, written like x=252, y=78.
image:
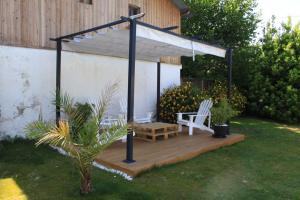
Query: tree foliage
x=229, y=23
x=274, y=85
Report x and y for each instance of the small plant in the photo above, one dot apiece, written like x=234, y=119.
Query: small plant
x=80, y=133
x=222, y=112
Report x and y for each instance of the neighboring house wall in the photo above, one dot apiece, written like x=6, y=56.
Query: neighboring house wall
x=30, y=23
x=27, y=83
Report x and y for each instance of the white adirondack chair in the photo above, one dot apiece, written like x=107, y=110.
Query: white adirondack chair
x=200, y=117
x=123, y=106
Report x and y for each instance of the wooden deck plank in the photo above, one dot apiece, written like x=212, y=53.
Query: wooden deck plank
x=163, y=152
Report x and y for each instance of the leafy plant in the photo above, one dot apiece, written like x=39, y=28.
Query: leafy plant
x=80, y=133
x=274, y=86
x=222, y=112
x=85, y=111
x=187, y=98
x=184, y=98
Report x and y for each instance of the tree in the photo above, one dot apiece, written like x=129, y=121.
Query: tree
x=80, y=134
x=274, y=86
x=229, y=23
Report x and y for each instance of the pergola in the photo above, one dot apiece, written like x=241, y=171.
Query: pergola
x=138, y=41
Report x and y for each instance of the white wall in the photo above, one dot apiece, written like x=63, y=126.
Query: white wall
x=170, y=75
x=27, y=83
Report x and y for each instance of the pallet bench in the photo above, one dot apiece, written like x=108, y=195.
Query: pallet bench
x=154, y=130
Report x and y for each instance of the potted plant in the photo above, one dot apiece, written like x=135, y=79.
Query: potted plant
x=221, y=114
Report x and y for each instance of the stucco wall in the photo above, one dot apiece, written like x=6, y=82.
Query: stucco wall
x=27, y=83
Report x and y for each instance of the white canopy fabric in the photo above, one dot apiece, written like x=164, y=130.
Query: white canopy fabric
x=151, y=44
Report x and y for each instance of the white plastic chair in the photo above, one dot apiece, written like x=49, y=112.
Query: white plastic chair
x=201, y=115
x=108, y=121
x=146, y=119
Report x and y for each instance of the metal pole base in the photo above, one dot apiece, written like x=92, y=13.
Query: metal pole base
x=129, y=161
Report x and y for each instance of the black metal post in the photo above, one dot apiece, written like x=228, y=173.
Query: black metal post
x=131, y=76
x=158, y=93
x=58, y=79
x=229, y=76
x=229, y=79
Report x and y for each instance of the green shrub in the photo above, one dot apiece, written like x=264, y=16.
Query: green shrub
x=187, y=98
x=274, y=86
x=184, y=98
x=219, y=92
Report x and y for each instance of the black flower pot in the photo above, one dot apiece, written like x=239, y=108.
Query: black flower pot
x=221, y=131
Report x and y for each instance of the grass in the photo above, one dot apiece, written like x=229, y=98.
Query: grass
x=265, y=166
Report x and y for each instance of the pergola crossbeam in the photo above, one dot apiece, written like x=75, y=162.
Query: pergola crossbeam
x=122, y=20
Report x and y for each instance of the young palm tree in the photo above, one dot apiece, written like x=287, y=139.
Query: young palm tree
x=80, y=133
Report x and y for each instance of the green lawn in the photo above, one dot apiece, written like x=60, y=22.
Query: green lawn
x=265, y=166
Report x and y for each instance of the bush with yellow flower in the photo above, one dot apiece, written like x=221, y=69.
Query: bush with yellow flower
x=219, y=92
x=184, y=98
x=187, y=98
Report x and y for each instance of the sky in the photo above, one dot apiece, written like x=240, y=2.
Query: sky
x=281, y=9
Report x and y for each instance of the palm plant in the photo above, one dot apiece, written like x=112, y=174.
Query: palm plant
x=79, y=133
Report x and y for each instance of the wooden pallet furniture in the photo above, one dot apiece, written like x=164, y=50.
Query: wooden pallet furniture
x=154, y=130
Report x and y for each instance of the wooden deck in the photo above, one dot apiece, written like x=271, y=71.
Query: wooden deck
x=163, y=152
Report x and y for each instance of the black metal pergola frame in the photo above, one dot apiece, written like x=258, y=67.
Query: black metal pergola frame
x=131, y=70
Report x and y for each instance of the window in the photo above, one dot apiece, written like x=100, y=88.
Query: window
x=133, y=10
x=86, y=1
